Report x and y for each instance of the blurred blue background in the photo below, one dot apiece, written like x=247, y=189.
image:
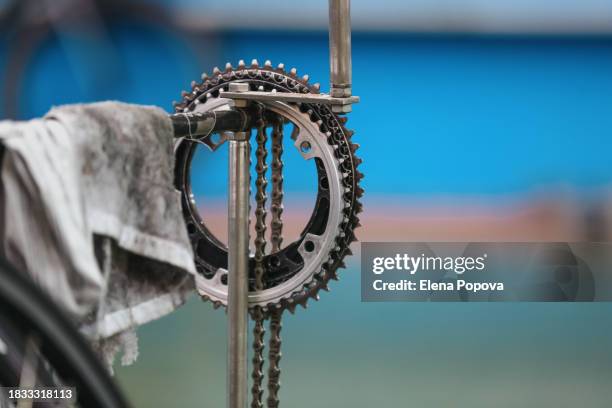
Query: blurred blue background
x=459, y=99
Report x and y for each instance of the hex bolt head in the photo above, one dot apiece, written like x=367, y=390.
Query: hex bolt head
x=238, y=87
x=338, y=92
x=341, y=108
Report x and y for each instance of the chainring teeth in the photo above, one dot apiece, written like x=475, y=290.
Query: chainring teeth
x=278, y=74
x=330, y=125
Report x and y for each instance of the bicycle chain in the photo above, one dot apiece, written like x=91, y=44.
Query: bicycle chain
x=261, y=184
x=277, y=239
x=260, y=245
x=277, y=185
x=274, y=356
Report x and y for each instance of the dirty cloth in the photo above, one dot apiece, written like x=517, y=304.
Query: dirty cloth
x=89, y=211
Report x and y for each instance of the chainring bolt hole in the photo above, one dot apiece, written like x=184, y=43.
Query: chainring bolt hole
x=309, y=246
x=305, y=147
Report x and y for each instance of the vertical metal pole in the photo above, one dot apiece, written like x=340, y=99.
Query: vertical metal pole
x=340, y=47
x=237, y=285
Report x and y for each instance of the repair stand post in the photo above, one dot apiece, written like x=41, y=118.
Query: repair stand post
x=340, y=48
x=238, y=257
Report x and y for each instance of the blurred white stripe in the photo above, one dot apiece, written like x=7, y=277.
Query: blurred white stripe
x=483, y=16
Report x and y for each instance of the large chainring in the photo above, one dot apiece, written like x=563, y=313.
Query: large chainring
x=302, y=268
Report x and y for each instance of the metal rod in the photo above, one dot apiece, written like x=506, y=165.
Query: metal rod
x=237, y=285
x=340, y=47
x=197, y=125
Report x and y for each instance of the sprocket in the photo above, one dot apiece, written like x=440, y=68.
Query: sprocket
x=302, y=268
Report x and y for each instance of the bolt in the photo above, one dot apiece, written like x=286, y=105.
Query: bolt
x=238, y=87
x=341, y=108
x=338, y=92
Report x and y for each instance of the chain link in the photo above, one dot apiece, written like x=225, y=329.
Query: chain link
x=277, y=185
x=274, y=356
x=260, y=198
x=258, y=359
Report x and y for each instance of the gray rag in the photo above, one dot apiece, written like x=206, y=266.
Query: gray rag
x=89, y=210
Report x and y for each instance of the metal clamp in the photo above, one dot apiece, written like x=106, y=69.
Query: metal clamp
x=338, y=104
